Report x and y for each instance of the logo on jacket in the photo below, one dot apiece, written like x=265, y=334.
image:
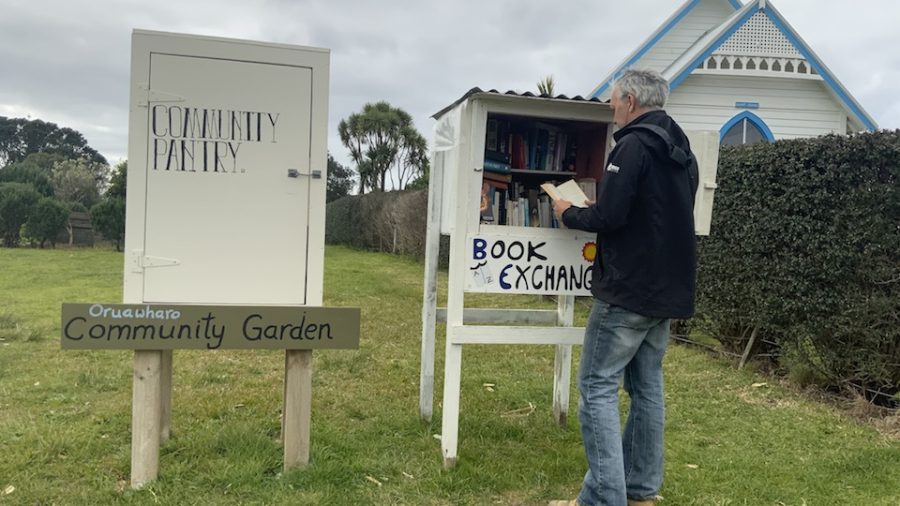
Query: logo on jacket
x=612, y=168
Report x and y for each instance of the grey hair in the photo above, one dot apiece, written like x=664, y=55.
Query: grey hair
x=648, y=87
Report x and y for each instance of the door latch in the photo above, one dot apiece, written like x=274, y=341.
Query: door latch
x=315, y=174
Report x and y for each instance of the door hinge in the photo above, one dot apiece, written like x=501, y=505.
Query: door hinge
x=139, y=261
x=146, y=96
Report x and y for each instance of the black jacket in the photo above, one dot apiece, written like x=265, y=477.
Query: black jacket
x=644, y=222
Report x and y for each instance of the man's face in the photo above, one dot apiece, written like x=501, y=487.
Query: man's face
x=620, y=108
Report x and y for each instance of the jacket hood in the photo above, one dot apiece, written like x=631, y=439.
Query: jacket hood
x=657, y=146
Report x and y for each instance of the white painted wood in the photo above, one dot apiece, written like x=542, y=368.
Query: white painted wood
x=460, y=133
x=462, y=178
x=165, y=393
x=491, y=334
x=706, y=16
x=562, y=366
x=705, y=146
x=555, y=261
x=297, y=415
x=165, y=47
x=448, y=140
x=702, y=18
x=211, y=72
x=450, y=406
x=790, y=107
x=429, y=298
x=251, y=198
x=145, y=418
x=504, y=316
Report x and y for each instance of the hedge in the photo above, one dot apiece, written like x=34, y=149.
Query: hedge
x=805, y=248
x=392, y=222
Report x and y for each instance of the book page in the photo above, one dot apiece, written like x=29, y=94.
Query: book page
x=567, y=191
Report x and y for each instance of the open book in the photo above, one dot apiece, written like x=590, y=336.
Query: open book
x=570, y=190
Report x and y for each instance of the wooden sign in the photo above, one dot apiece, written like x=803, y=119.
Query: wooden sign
x=535, y=261
x=170, y=326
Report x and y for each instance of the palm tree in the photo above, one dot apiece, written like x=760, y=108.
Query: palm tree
x=545, y=86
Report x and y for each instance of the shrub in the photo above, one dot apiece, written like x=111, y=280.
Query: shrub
x=47, y=220
x=805, y=247
x=393, y=222
x=17, y=200
x=108, y=218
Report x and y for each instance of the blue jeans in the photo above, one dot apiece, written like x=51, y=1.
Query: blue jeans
x=622, y=465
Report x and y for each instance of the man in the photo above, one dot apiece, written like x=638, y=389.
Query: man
x=643, y=277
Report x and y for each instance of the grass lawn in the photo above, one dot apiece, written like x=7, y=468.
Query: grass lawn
x=65, y=417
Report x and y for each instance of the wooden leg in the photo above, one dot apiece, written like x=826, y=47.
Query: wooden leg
x=450, y=422
x=296, y=417
x=165, y=399
x=429, y=298
x=561, y=377
x=562, y=368
x=145, y=417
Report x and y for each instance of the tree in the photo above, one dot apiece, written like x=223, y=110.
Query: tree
x=545, y=86
x=48, y=218
x=108, y=218
x=17, y=200
x=340, y=180
x=20, y=137
x=382, y=140
x=119, y=178
x=22, y=173
x=74, y=181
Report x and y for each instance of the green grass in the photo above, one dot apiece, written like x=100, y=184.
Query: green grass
x=65, y=416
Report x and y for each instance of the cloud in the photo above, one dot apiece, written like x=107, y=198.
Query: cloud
x=68, y=62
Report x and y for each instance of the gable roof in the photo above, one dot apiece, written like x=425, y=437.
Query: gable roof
x=668, y=25
x=683, y=65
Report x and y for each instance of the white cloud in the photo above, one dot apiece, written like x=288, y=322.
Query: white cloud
x=68, y=62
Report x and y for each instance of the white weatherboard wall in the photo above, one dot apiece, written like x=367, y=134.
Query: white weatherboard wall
x=225, y=139
x=791, y=107
x=705, y=16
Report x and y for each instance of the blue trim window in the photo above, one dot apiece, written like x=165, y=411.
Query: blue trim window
x=743, y=129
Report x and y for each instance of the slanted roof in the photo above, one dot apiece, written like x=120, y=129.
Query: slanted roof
x=706, y=45
x=477, y=92
x=668, y=26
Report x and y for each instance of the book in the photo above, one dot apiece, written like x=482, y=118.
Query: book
x=495, y=177
x=487, y=194
x=497, y=167
x=589, y=186
x=567, y=191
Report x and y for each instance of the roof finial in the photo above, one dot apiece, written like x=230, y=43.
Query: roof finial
x=762, y=4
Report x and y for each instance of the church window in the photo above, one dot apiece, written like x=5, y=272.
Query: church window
x=745, y=129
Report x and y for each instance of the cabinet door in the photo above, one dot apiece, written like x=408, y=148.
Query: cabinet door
x=705, y=145
x=227, y=182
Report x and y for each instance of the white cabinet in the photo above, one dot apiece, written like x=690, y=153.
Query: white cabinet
x=487, y=145
x=226, y=187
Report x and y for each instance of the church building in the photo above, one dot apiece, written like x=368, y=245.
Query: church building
x=743, y=70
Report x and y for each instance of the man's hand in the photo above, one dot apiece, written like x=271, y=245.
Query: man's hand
x=559, y=207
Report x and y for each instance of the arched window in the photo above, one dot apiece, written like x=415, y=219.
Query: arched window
x=745, y=128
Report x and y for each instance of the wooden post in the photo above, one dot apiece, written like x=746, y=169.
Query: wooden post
x=429, y=304
x=145, y=417
x=165, y=396
x=562, y=370
x=450, y=421
x=749, y=347
x=296, y=417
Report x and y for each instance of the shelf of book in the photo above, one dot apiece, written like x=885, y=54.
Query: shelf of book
x=523, y=152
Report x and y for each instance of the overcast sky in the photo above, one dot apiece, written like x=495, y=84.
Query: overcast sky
x=68, y=61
